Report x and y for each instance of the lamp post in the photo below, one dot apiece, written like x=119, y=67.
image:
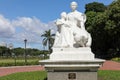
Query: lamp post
x=25, y=52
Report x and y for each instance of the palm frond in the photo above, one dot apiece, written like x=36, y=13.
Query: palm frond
x=48, y=39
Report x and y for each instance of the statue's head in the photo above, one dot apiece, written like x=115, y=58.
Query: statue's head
x=73, y=5
x=64, y=15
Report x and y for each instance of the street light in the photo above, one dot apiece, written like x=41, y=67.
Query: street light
x=25, y=52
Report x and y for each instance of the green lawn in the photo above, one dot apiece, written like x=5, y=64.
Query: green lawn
x=109, y=75
x=19, y=61
x=41, y=75
x=36, y=75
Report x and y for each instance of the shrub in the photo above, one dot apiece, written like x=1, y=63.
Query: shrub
x=116, y=59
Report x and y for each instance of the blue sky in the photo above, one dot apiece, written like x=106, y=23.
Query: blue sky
x=20, y=19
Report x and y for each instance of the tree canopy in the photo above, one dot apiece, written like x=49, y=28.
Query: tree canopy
x=95, y=6
x=104, y=27
x=48, y=39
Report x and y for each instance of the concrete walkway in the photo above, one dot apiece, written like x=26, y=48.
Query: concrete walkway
x=9, y=70
x=110, y=65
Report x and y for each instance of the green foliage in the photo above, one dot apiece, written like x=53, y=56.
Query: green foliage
x=36, y=75
x=117, y=59
x=4, y=51
x=48, y=39
x=19, y=51
x=33, y=56
x=109, y=75
x=95, y=7
x=29, y=51
x=95, y=25
x=104, y=27
x=114, y=17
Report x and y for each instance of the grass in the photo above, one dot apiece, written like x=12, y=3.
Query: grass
x=19, y=62
x=36, y=75
x=41, y=75
x=108, y=75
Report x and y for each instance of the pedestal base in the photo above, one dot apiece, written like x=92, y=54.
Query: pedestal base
x=72, y=64
x=84, y=53
x=72, y=69
x=77, y=75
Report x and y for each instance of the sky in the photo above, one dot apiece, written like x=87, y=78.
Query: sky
x=28, y=19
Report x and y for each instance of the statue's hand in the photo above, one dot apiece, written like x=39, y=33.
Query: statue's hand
x=59, y=22
x=67, y=24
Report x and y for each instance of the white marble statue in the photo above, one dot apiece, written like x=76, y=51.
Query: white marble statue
x=63, y=35
x=71, y=30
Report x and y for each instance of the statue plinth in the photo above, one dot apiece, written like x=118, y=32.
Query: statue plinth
x=72, y=64
x=83, y=53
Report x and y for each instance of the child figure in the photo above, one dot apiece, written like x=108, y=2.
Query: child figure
x=62, y=38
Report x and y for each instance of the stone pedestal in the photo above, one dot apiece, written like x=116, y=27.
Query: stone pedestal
x=82, y=75
x=72, y=54
x=72, y=64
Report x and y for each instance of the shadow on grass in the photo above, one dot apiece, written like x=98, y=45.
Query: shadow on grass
x=100, y=78
x=45, y=78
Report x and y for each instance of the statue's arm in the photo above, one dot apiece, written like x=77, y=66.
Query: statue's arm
x=82, y=20
x=58, y=22
x=67, y=24
x=84, y=17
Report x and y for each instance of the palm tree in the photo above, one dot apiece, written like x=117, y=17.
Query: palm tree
x=48, y=39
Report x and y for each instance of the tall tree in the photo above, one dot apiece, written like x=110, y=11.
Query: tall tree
x=95, y=25
x=48, y=39
x=95, y=7
x=3, y=50
x=105, y=30
x=113, y=26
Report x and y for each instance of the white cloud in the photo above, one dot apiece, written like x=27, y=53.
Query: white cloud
x=29, y=24
x=21, y=28
x=3, y=44
x=32, y=28
x=32, y=38
x=6, y=28
x=33, y=25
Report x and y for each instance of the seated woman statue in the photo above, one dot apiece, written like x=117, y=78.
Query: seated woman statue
x=71, y=30
x=76, y=20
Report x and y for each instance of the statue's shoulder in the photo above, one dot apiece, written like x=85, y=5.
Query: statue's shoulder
x=69, y=13
x=78, y=12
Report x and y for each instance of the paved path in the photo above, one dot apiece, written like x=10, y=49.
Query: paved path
x=108, y=65
x=9, y=70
